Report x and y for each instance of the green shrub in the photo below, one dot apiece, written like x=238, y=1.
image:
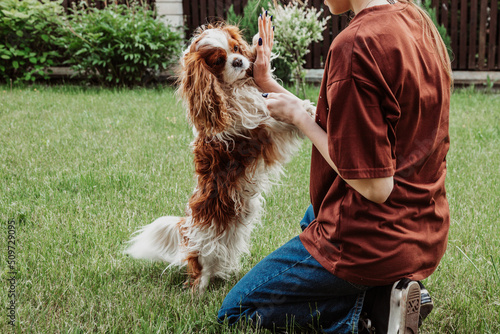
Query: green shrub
x=297, y=26
x=120, y=45
x=248, y=23
x=29, y=38
x=427, y=6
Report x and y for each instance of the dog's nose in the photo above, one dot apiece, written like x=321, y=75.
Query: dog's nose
x=237, y=62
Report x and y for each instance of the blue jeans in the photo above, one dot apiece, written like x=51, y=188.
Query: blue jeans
x=289, y=288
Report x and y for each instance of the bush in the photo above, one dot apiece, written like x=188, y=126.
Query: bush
x=29, y=38
x=250, y=27
x=297, y=26
x=427, y=6
x=120, y=45
x=248, y=21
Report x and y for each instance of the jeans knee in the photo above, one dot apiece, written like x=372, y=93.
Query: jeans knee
x=224, y=315
x=231, y=309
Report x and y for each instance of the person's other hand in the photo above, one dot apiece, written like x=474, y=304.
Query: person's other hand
x=286, y=107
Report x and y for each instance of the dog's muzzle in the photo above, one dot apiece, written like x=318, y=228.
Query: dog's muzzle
x=237, y=62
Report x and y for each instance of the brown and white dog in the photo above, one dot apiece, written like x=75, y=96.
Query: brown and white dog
x=239, y=150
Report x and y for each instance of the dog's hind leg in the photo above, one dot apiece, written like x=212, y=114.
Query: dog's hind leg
x=204, y=280
x=195, y=270
x=199, y=274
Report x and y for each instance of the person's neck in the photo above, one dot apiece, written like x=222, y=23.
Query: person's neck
x=358, y=6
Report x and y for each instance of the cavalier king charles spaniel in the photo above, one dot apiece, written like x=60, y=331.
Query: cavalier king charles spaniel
x=239, y=150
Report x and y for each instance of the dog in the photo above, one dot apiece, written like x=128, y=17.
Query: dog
x=239, y=152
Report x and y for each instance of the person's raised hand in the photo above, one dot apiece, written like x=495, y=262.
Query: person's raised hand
x=262, y=65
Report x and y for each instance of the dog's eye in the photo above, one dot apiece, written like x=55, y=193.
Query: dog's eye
x=236, y=48
x=219, y=61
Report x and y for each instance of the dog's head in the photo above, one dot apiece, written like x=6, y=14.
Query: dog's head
x=217, y=58
x=222, y=51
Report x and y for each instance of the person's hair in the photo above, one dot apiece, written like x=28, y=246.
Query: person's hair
x=431, y=32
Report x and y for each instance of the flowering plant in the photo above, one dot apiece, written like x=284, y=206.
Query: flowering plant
x=296, y=27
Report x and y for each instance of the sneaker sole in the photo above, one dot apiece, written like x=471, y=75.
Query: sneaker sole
x=405, y=300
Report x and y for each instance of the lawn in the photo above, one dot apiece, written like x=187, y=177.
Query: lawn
x=82, y=168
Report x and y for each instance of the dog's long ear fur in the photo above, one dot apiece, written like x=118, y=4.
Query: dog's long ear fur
x=200, y=88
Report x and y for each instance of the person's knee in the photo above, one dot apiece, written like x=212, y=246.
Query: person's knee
x=227, y=315
x=231, y=309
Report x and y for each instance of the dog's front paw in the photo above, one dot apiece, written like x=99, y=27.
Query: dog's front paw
x=310, y=108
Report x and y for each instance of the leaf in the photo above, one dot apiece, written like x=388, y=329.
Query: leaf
x=33, y=60
x=45, y=38
x=15, y=64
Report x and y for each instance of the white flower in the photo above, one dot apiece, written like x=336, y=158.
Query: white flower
x=296, y=27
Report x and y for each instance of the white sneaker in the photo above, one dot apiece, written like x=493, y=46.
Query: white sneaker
x=404, y=307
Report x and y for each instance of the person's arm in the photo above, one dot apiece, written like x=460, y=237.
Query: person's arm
x=376, y=190
x=284, y=106
x=288, y=108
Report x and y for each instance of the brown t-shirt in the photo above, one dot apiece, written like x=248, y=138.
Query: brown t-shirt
x=384, y=103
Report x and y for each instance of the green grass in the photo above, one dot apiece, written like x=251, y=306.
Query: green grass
x=82, y=168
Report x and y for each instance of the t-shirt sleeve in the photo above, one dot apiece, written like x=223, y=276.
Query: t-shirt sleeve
x=359, y=136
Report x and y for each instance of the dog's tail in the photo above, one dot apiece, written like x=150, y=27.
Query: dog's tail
x=158, y=241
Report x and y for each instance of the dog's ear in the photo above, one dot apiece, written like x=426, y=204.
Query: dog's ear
x=206, y=100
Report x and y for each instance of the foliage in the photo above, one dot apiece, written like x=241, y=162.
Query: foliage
x=248, y=23
x=427, y=6
x=29, y=38
x=297, y=26
x=120, y=45
x=489, y=85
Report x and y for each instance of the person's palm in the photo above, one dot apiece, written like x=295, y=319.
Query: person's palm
x=262, y=65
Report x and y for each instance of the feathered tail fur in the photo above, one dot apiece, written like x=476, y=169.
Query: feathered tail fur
x=158, y=241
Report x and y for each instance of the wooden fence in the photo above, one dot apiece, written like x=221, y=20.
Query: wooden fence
x=473, y=26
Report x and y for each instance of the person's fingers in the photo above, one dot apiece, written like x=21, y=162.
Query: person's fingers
x=267, y=27
x=272, y=34
x=268, y=99
x=270, y=105
x=261, y=27
x=271, y=96
x=266, y=30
